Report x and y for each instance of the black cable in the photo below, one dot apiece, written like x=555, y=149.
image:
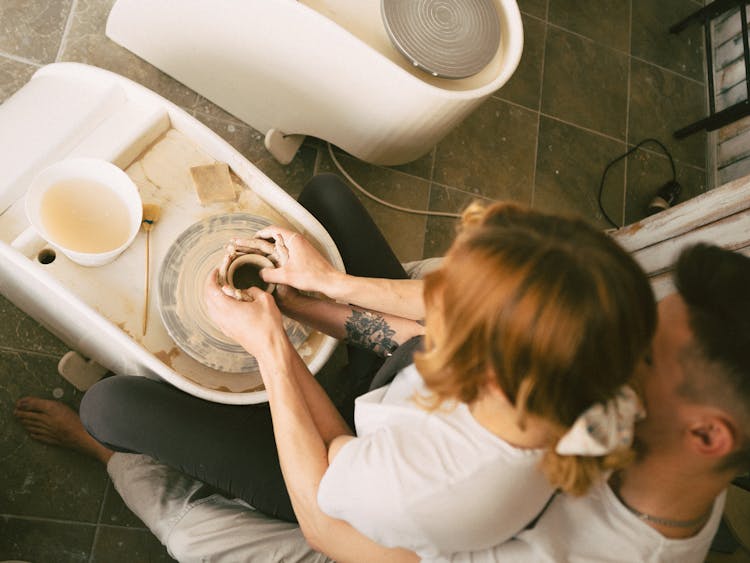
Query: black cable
x=625, y=155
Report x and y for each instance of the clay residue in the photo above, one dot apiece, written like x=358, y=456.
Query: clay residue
x=123, y=327
x=247, y=202
x=223, y=389
x=167, y=357
x=167, y=165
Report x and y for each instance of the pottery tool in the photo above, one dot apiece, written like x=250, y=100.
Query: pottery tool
x=151, y=214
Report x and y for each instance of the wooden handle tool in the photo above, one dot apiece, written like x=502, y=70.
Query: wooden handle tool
x=151, y=214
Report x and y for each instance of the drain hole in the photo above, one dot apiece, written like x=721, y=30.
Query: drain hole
x=46, y=256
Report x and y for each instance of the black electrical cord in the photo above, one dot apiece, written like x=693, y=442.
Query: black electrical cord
x=625, y=155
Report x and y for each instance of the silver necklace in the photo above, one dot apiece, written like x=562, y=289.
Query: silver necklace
x=666, y=521
x=655, y=519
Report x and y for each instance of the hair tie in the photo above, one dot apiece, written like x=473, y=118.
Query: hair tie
x=603, y=427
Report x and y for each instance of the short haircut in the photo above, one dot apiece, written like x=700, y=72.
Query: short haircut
x=714, y=283
x=552, y=308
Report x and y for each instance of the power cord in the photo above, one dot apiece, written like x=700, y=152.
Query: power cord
x=667, y=193
x=664, y=198
x=382, y=201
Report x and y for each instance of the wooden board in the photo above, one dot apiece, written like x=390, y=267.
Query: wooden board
x=721, y=217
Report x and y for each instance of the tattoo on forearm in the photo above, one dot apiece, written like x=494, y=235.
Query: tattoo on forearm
x=370, y=331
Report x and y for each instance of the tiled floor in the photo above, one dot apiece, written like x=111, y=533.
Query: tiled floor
x=596, y=77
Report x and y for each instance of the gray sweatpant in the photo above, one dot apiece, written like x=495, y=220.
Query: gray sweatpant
x=197, y=524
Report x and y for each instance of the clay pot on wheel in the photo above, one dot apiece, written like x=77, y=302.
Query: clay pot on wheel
x=240, y=268
x=244, y=273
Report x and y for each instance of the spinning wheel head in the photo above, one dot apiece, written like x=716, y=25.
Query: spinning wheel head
x=447, y=38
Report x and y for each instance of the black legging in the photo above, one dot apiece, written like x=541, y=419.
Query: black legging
x=363, y=249
x=233, y=447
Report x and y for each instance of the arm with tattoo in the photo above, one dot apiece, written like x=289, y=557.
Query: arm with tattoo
x=370, y=331
x=380, y=333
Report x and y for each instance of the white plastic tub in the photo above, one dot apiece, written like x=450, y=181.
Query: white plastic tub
x=69, y=109
x=324, y=68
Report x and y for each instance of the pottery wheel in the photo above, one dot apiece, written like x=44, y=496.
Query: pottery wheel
x=187, y=264
x=447, y=38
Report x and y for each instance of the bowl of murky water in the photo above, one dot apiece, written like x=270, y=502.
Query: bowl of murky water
x=88, y=209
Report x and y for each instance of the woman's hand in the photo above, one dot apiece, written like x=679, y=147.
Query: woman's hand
x=252, y=324
x=301, y=266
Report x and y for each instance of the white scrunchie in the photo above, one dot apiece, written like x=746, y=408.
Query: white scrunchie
x=603, y=428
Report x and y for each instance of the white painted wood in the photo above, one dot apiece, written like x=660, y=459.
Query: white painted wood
x=730, y=76
x=735, y=170
x=727, y=27
x=736, y=148
x=720, y=217
x=732, y=154
x=704, y=209
x=663, y=285
x=733, y=129
x=734, y=95
x=728, y=52
x=732, y=232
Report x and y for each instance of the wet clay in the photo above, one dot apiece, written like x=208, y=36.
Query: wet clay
x=247, y=275
x=241, y=265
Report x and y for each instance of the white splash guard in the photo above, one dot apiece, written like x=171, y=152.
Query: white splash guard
x=70, y=109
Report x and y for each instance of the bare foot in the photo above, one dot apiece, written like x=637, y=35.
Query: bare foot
x=53, y=422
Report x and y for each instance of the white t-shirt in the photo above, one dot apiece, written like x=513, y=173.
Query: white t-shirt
x=433, y=482
x=597, y=528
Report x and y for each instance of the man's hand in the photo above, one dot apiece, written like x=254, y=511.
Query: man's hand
x=303, y=268
x=252, y=324
x=288, y=299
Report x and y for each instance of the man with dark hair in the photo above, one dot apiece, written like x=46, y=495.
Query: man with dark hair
x=714, y=284
x=666, y=506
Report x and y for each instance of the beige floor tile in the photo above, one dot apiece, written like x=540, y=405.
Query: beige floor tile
x=13, y=75
x=87, y=43
x=33, y=29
